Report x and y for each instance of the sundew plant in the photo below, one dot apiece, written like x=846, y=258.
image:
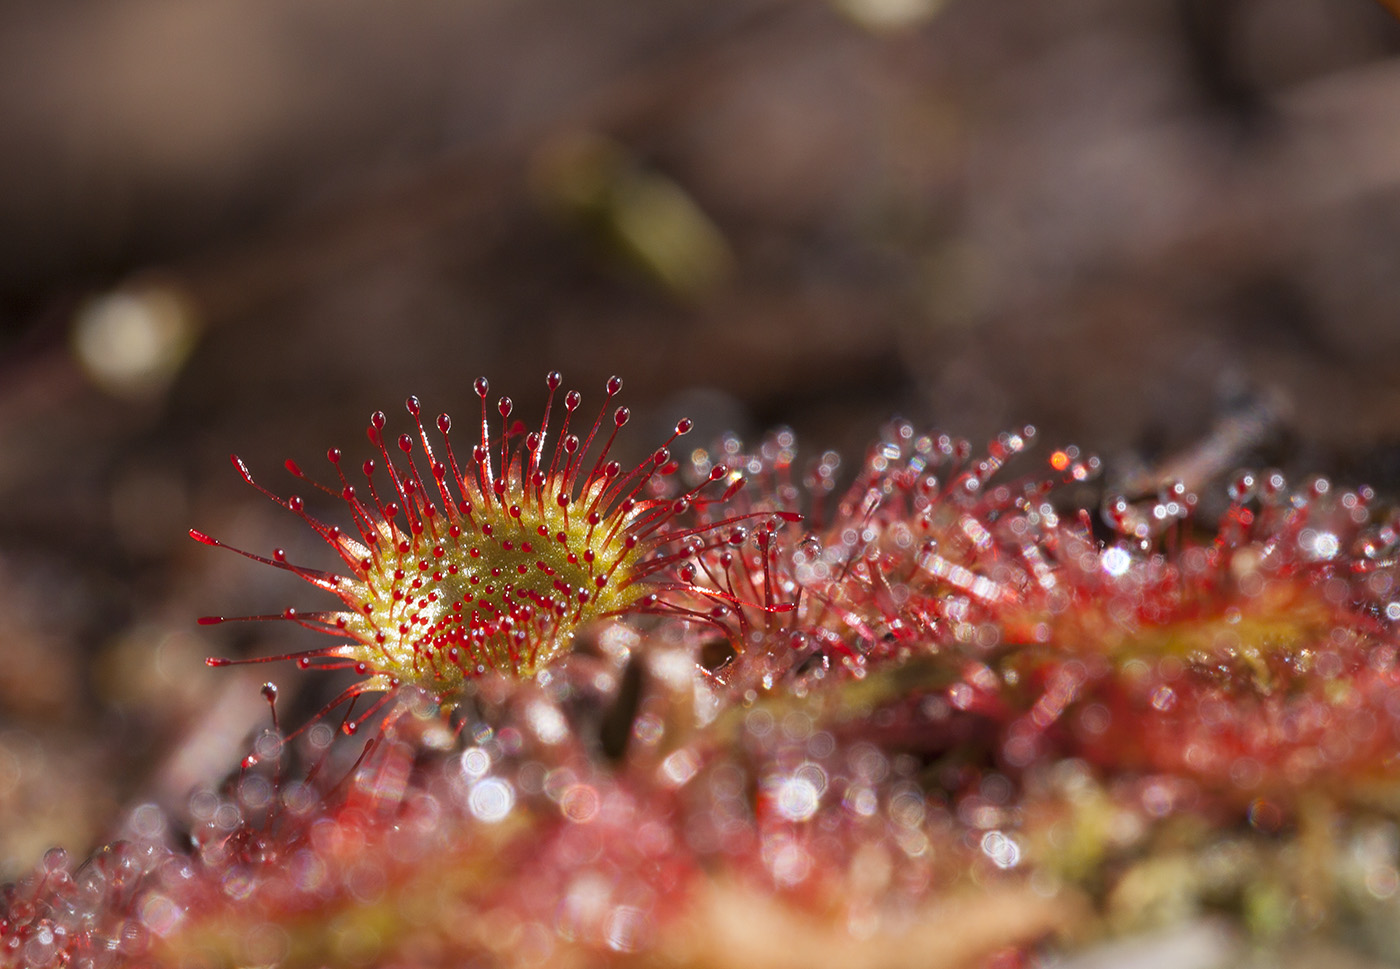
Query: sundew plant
x=743, y=706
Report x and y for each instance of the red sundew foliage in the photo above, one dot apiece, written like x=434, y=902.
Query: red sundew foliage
x=491, y=567
x=1259, y=660
x=518, y=842
x=90, y=917
x=912, y=667
x=906, y=562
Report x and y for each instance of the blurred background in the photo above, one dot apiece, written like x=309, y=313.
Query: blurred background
x=243, y=225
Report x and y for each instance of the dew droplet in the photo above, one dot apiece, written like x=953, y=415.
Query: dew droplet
x=1242, y=486
x=1116, y=561
x=1001, y=849
x=491, y=800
